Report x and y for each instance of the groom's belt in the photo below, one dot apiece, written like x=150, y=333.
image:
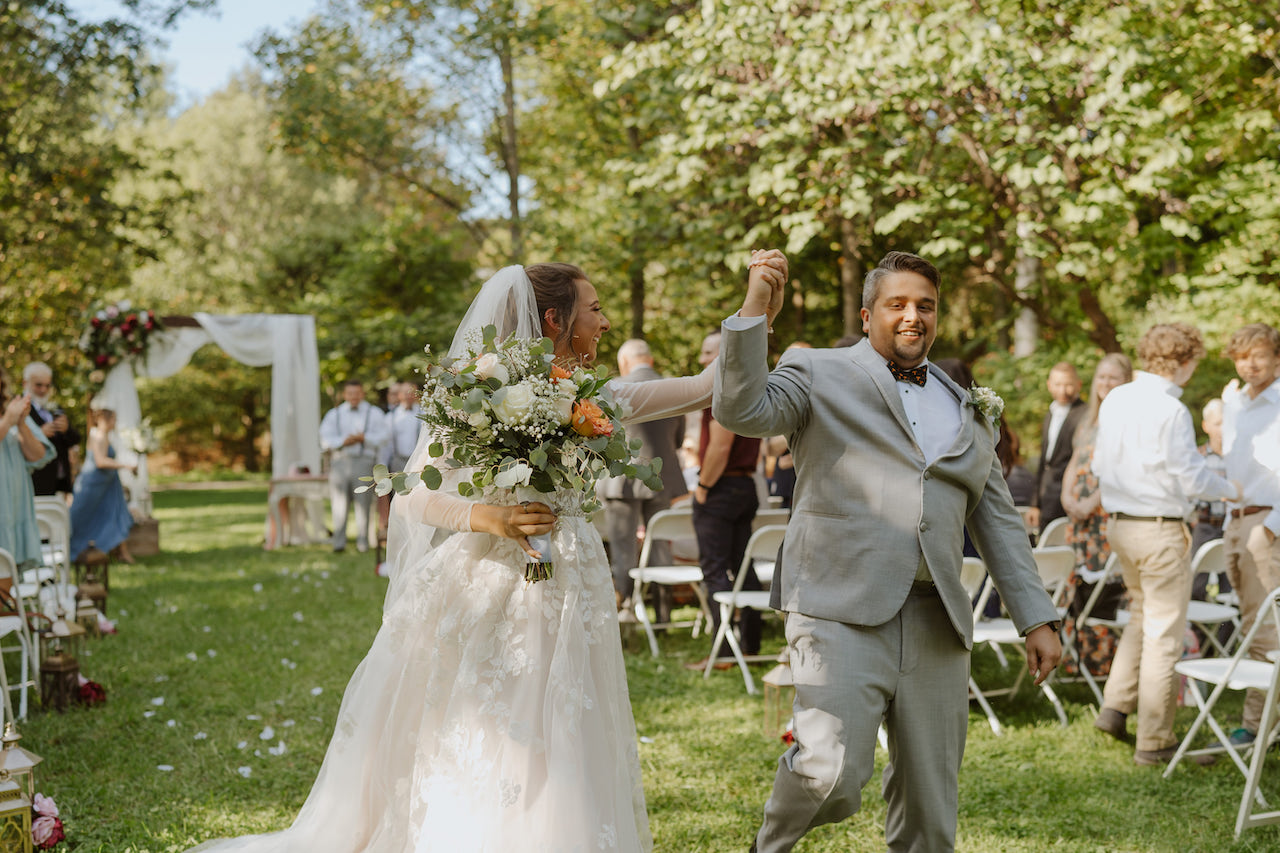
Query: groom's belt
x=739, y=472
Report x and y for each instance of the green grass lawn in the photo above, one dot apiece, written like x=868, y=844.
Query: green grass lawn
x=220, y=641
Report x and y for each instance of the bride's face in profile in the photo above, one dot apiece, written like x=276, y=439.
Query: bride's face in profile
x=589, y=323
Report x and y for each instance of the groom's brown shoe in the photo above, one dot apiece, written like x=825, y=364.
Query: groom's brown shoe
x=753, y=846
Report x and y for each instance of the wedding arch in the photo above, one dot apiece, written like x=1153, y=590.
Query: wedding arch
x=286, y=342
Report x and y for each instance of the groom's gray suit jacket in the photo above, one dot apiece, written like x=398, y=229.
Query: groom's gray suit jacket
x=866, y=505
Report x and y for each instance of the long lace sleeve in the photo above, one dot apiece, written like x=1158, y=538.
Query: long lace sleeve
x=663, y=398
x=436, y=508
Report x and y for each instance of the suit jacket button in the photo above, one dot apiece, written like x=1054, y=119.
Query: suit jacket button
x=928, y=476
x=924, y=525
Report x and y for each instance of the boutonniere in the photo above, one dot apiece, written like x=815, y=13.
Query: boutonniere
x=986, y=402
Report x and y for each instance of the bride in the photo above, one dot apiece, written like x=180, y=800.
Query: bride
x=491, y=715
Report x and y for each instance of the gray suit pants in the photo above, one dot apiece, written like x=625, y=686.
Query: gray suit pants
x=912, y=672
x=344, y=478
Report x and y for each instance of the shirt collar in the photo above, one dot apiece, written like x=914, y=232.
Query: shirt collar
x=1157, y=381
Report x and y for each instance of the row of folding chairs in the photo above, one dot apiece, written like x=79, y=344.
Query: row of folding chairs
x=676, y=525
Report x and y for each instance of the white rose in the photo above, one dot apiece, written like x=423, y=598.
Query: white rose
x=515, y=403
x=478, y=420
x=489, y=366
x=517, y=475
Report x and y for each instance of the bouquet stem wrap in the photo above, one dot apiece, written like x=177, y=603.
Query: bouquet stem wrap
x=544, y=569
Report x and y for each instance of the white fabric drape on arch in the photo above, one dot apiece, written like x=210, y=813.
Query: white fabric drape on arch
x=287, y=342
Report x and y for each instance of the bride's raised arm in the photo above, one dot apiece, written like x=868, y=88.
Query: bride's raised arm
x=664, y=398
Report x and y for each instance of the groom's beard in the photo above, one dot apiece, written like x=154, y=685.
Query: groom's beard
x=41, y=402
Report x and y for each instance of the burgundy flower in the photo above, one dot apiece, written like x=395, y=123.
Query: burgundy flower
x=92, y=693
x=101, y=360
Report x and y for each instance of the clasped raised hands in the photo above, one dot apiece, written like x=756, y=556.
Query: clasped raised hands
x=766, y=281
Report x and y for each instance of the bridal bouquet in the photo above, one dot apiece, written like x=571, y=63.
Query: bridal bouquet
x=520, y=421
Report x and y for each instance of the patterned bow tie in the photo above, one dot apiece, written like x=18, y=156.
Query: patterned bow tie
x=916, y=375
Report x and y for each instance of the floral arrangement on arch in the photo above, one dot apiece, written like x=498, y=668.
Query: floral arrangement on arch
x=140, y=439
x=46, y=826
x=509, y=412
x=118, y=332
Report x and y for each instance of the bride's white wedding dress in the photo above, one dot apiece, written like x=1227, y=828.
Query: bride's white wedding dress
x=490, y=715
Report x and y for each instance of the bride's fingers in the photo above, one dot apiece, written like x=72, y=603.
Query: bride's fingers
x=527, y=548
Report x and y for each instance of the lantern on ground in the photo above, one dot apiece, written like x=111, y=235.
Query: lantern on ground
x=59, y=668
x=17, y=790
x=779, y=692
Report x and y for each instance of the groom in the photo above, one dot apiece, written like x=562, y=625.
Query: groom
x=892, y=462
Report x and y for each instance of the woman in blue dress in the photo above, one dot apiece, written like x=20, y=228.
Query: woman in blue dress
x=23, y=448
x=99, y=513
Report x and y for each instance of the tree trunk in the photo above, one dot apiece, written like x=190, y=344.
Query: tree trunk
x=852, y=272
x=1026, y=328
x=1103, y=331
x=635, y=273
x=510, y=151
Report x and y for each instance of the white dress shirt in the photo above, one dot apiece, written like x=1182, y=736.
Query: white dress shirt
x=1145, y=455
x=1057, y=417
x=934, y=415
x=342, y=421
x=404, y=425
x=1251, y=448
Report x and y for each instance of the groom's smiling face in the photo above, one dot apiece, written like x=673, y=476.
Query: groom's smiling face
x=903, y=321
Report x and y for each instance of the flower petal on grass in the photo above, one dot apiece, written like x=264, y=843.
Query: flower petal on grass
x=165, y=767
x=267, y=733
x=245, y=771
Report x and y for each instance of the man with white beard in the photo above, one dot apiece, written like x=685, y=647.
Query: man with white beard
x=54, y=478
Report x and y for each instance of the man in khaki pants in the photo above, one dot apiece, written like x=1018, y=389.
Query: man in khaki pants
x=1251, y=449
x=1150, y=473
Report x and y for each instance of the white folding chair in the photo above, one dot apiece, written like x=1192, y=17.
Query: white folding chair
x=1238, y=672
x=1054, y=566
x=14, y=626
x=1054, y=534
x=667, y=525
x=769, y=516
x=1087, y=618
x=1208, y=616
x=763, y=545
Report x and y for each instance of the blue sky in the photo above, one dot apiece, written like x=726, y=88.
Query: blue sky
x=208, y=47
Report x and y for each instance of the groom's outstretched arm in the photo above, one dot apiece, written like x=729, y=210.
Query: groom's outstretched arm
x=747, y=400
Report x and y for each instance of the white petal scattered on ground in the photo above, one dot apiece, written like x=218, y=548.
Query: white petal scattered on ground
x=160, y=678
x=165, y=767
x=278, y=749
x=646, y=740
x=193, y=657
x=124, y=612
x=288, y=723
x=253, y=716
x=257, y=753
x=201, y=736
x=207, y=629
x=246, y=772
x=285, y=662
x=316, y=691
x=267, y=733
x=324, y=575
x=297, y=616
x=158, y=701
x=171, y=723
x=240, y=573
x=148, y=714
x=244, y=744
x=173, y=608
x=159, y=603
x=257, y=587
x=213, y=653
x=318, y=720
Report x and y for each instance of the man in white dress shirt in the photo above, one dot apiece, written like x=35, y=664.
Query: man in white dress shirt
x=1251, y=449
x=353, y=433
x=403, y=424
x=1150, y=474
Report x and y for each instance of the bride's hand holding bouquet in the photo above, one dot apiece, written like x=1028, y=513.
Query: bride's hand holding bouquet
x=516, y=417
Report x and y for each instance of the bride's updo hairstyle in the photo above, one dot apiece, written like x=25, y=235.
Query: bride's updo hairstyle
x=555, y=288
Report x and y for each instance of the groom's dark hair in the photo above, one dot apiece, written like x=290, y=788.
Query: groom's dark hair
x=896, y=262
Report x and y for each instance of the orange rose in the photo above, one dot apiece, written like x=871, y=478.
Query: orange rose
x=588, y=420
x=558, y=372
